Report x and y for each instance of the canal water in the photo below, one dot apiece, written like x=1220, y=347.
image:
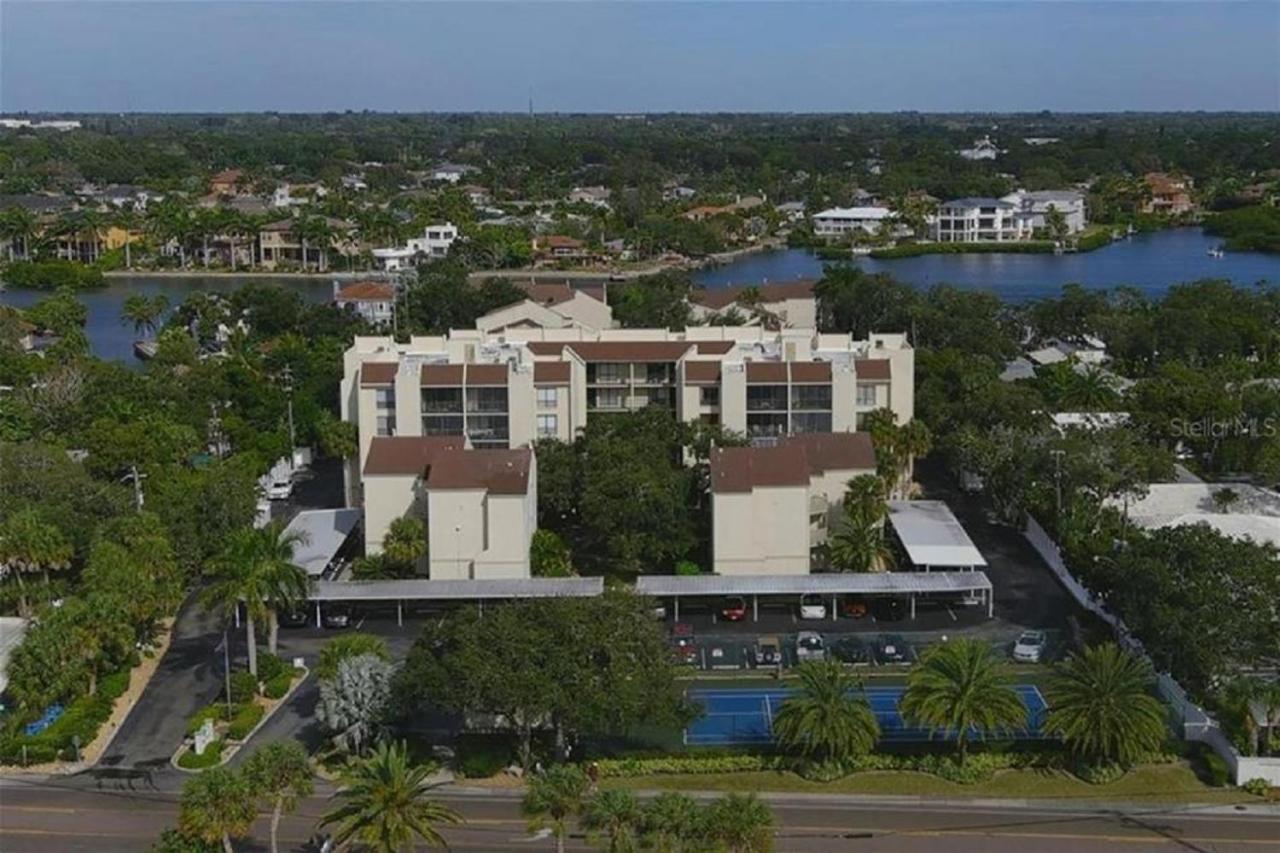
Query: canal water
x=1149, y=262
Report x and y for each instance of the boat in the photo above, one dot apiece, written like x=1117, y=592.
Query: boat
x=1216, y=252
x=145, y=350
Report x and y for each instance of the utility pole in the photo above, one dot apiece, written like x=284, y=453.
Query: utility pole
x=1057, y=483
x=287, y=376
x=137, y=479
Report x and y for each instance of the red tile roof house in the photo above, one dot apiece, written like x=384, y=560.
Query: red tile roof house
x=375, y=301
x=559, y=247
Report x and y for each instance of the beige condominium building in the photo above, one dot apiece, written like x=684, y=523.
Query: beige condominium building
x=498, y=391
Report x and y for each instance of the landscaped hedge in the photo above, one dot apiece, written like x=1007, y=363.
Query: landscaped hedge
x=911, y=250
x=217, y=712
x=245, y=719
x=211, y=757
x=82, y=719
x=52, y=275
x=278, y=686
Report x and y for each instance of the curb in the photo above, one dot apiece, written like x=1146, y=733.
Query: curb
x=235, y=748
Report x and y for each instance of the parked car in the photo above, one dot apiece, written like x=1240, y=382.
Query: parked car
x=682, y=644
x=893, y=649
x=1029, y=647
x=852, y=651
x=853, y=607
x=721, y=656
x=812, y=607
x=767, y=652
x=888, y=609
x=734, y=609
x=809, y=646
x=297, y=617
x=280, y=489
x=336, y=615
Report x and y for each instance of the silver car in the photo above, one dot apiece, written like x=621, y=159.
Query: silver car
x=1029, y=647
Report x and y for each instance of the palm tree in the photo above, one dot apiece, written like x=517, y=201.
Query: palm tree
x=92, y=223
x=280, y=773
x=20, y=225
x=672, y=821
x=256, y=569
x=143, y=313
x=216, y=807
x=916, y=441
x=552, y=799
x=740, y=823
x=827, y=718
x=961, y=687
x=1100, y=703
x=858, y=545
x=616, y=816
x=126, y=218
x=386, y=804
x=28, y=544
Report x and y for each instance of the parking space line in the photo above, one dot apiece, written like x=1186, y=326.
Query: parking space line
x=953, y=613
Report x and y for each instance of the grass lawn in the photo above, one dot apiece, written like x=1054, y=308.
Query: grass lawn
x=1153, y=783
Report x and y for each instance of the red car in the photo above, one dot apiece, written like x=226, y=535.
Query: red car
x=734, y=609
x=682, y=645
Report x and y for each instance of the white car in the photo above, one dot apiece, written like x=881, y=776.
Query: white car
x=279, y=490
x=812, y=607
x=809, y=646
x=1029, y=647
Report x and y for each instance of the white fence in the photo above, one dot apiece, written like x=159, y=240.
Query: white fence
x=1194, y=723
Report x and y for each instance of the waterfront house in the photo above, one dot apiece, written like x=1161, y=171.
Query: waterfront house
x=226, y=182
x=980, y=220
x=1170, y=194
x=558, y=247
x=838, y=221
x=281, y=243
x=1036, y=206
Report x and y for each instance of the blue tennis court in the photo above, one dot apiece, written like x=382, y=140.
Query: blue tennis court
x=746, y=716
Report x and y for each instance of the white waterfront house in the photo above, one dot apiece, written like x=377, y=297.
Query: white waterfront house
x=375, y=301
x=836, y=221
x=1036, y=206
x=434, y=243
x=980, y=220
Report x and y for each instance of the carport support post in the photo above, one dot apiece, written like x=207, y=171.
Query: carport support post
x=834, y=613
x=913, y=607
x=399, y=613
x=991, y=602
x=318, y=613
x=677, y=607
x=755, y=608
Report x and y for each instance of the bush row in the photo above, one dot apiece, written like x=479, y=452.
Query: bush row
x=82, y=720
x=211, y=756
x=51, y=275
x=911, y=250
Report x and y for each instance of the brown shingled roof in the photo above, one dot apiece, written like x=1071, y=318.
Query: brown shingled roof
x=767, y=371
x=810, y=371
x=377, y=373
x=442, y=374
x=554, y=294
x=741, y=469
x=545, y=347
x=501, y=472
x=872, y=369
x=551, y=373
x=486, y=374
x=366, y=291
x=836, y=451
x=714, y=347
x=702, y=372
x=630, y=350
x=722, y=297
x=407, y=454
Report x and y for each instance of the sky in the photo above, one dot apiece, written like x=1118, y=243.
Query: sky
x=610, y=57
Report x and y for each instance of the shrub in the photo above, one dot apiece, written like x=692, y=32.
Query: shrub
x=549, y=556
x=38, y=751
x=211, y=757
x=271, y=666
x=113, y=686
x=278, y=686
x=173, y=841
x=216, y=712
x=688, y=567
x=1257, y=787
x=245, y=719
x=243, y=687
x=349, y=646
x=1100, y=774
x=1219, y=774
x=911, y=250
x=53, y=274
x=481, y=756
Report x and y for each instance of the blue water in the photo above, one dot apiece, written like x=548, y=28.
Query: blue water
x=746, y=716
x=110, y=338
x=1149, y=262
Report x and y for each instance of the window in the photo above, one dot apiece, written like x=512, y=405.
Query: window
x=610, y=398
x=811, y=422
x=548, y=426
x=548, y=398
x=385, y=398
x=386, y=425
x=438, y=400
x=609, y=374
x=486, y=399
x=811, y=397
x=866, y=395
x=710, y=395
x=766, y=398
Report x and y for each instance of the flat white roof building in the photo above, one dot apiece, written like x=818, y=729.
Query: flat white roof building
x=1255, y=513
x=933, y=536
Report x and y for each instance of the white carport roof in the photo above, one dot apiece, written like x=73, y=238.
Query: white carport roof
x=932, y=535
x=323, y=533
x=421, y=589
x=879, y=583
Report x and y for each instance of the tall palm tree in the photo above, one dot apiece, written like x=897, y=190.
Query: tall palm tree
x=20, y=225
x=740, y=823
x=386, y=804
x=216, y=807
x=962, y=688
x=553, y=798
x=672, y=822
x=916, y=441
x=143, y=313
x=858, y=545
x=127, y=219
x=1100, y=703
x=28, y=545
x=615, y=815
x=256, y=569
x=280, y=774
x=827, y=718
x=91, y=224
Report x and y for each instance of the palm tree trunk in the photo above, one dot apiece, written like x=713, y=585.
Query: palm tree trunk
x=24, y=607
x=275, y=825
x=226, y=844
x=253, y=643
x=560, y=842
x=233, y=254
x=206, y=251
x=128, y=256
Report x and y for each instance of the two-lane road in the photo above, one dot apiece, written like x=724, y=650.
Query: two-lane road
x=42, y=816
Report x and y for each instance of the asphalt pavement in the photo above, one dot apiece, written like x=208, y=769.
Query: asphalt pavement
x=40, y=816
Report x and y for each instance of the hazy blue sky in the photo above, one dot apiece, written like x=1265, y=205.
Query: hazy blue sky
x=618, y=57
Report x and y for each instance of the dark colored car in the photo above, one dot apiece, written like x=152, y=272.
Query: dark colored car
x=852, y=651
x=297, y=617
x=734, y=609
x=893, y=649
x=767, y=652
x=888, y=609
x=853, y=607
x=336, y=615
